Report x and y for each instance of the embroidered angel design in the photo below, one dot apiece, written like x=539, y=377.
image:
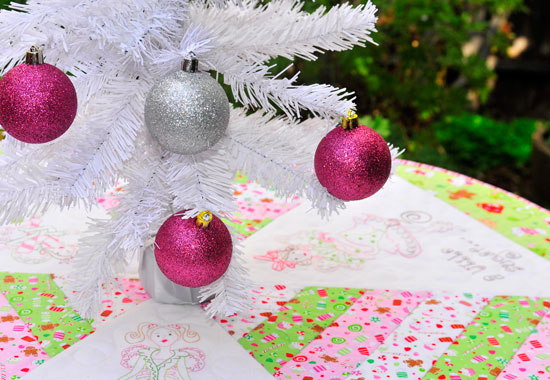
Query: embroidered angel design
x=161, y=360
x=32, y=243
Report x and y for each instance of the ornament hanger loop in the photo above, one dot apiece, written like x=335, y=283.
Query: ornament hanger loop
x=204, y=219
x=34, y=56
x=351, y=121
x=191, y=64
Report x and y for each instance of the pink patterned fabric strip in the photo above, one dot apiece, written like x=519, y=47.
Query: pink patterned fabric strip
x=532, y=361
x=20, y=351
x=354, y=336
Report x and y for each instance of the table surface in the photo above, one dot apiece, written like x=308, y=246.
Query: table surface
x=438, y=276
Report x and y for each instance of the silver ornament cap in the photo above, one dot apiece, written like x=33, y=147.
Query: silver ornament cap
x=187, y=112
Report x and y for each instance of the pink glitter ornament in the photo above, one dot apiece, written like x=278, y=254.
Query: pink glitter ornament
x=193, y=252
x=37, y=101
x=352, y=161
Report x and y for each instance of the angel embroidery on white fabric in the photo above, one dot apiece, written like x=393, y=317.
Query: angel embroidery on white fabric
x=161, y=360
x=362, y=238
x=31, y=242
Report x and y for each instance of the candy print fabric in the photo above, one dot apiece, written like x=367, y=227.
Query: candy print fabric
x=422, y=337
x=490, y=340
x=265, y=300
x=257, y=207
x=20, y=352
x=41, y=304
x=357, y=333
x=285, y=333
x=111, y=198
x=118, y=297
x=116, y=302
x=532, y=361
x=512, y=216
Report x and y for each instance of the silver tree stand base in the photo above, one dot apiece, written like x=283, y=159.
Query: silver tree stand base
x=159, y=287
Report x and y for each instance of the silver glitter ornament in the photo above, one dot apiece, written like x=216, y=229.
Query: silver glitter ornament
x=187, y=112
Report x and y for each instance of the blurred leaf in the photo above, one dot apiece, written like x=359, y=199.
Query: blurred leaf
x=478, y=142
x=391, y=132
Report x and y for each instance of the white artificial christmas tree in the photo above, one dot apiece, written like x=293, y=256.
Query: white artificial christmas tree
x=115, y=52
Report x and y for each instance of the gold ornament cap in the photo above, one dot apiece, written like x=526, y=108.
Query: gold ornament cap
x=34, y=56
x=2, y=134
x=351, y=121
x=204, y=219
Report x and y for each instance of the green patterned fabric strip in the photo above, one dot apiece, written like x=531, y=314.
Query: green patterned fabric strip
x=285, y=333
x=490, y=340
x=41, y=304
x=242, y=226
x=516, y=218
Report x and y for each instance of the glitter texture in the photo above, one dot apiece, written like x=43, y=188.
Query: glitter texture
x=193, y=256
x=353, y=164
x=187, y=113
x=37, y=103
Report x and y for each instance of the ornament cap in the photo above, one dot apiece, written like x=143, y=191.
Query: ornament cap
x=190, y=65
x=204, y=219
x=34, y=56
x=2, y=134
x=351, y=121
